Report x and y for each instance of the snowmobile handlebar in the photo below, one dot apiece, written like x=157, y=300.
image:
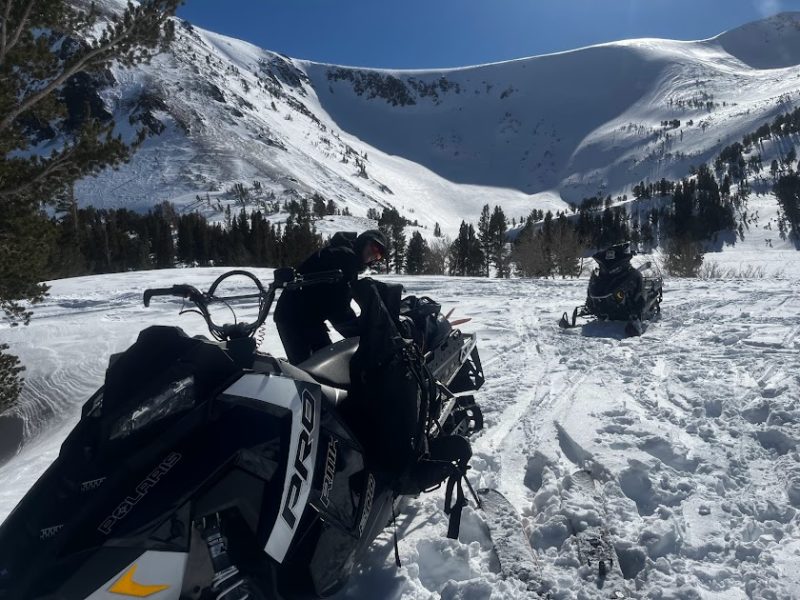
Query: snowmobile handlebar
x=283, y=278
x=182, y=291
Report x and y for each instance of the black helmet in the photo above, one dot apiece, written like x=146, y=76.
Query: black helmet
x=372, y=235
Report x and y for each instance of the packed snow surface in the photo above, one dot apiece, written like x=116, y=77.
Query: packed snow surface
x=691, y=431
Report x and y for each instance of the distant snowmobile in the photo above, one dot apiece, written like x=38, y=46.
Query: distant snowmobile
x=208, y=470
x=619, y=291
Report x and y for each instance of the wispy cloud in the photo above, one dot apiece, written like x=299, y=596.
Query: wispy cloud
x=768, y=7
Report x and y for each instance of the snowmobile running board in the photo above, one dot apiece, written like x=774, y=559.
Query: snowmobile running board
x=633, y=327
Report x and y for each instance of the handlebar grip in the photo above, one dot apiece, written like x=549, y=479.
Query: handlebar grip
x=184, y=291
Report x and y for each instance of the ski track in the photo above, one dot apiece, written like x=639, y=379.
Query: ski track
x=691, y=432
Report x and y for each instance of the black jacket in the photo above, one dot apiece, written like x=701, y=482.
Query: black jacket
x=330, y=301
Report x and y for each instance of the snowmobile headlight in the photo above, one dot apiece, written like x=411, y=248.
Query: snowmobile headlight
x=619, y=295
x=176, y=397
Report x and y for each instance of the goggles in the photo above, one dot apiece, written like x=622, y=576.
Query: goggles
x=376, y=252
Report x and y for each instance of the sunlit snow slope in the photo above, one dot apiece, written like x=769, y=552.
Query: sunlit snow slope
x=439, y=144
x=692, y=431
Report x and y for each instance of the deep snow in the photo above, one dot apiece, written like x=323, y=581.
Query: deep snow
x=691, y=430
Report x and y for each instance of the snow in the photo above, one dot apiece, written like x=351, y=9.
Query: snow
x=768, y=44
x=530, y=133
x=691, y=431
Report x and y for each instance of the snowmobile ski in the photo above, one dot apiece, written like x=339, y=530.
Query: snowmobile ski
x=517, y=558
x=593, y=544
x=634, y=328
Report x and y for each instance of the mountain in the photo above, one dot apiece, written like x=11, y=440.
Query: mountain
x=438, y=144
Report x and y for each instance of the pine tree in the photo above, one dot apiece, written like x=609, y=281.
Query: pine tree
x=186, y=245
x=787, y=191
x=45, y=46
x=163, y=244
x=486, y=237
x=417, y=255
x=498, y=226
x=466, y=256
x=319, y=206
x=437, y=230
x=566, y=248
x=393, y=225
x=42, y=50
x=459, y=250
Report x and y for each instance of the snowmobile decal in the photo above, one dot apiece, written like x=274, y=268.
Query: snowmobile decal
x=304, y=447
x=367, y=504
x=130, y=502
x=330, y=472
x=49, y=532
x=88, y=486
x=304, y=404
x=127, y=586
x=155, y=575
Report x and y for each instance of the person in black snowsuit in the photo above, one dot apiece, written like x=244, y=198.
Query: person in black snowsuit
x=616, y=276
x=300, y=315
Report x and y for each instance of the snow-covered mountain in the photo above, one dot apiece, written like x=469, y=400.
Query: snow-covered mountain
x=438, y=144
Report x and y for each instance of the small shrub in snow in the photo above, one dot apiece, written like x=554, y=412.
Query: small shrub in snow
x=683, y=258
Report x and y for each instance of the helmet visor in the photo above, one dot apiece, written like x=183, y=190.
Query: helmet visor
x=374, y=252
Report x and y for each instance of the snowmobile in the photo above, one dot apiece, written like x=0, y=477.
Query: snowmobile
x=618, y=291
x=206, y=469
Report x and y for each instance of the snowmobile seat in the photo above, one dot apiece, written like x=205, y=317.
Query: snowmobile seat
x=334, y=396
x=331, y=364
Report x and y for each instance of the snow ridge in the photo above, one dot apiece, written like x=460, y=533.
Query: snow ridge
x=439, y=144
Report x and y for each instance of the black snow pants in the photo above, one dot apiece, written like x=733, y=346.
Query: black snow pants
x=302, y=339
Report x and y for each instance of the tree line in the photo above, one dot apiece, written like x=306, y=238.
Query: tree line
x=90, y=241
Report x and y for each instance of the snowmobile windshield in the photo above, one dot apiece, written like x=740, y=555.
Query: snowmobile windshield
x=613, y=260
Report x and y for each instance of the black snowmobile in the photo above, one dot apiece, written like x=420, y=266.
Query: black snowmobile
x=206, y=469
x=618, y=291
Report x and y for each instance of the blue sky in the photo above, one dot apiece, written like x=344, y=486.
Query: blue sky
x=450, y=33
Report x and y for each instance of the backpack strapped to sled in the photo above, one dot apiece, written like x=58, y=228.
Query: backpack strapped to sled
x=397, y=395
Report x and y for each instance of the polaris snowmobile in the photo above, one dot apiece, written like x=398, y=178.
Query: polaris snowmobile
x=618, y=291
x=207, y=469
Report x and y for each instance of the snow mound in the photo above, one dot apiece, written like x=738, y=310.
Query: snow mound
x=772, y=43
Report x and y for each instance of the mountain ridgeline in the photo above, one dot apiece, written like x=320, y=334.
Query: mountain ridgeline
x=555, y=133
